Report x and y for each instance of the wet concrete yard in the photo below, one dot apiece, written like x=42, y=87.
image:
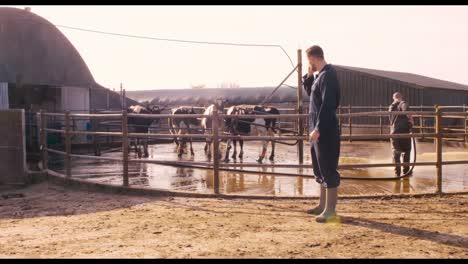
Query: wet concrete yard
x=455, y=177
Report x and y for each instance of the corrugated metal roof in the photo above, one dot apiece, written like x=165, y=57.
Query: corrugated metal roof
x=246, y=95
x=36, y=50
x=254, y=95
x=410, y=78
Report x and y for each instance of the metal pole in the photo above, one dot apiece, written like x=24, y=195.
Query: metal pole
x=421, y=122
x=121, y=97
x=350, y=124
x=438, y=140
x=45, y=156
x=125, y=147
x=107, y=103
x=67, y=145
x=215, y=144
x=279, y=128
x=95, y=138
x=300, y=123
x=29, y=123
x=124, y=100
x=380, y=120
x=466, y=122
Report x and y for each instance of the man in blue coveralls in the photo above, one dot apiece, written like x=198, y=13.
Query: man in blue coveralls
x=324, y=92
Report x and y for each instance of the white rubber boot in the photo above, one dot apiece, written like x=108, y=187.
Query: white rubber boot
x=321, y=206
x=329, y=214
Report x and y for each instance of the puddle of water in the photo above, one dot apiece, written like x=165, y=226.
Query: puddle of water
x=200, y=180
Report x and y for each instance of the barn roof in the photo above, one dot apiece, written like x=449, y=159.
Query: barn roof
x=415, y=79
x=36, y=50
x=245, y=95
x=32, y=47
x=254, y=95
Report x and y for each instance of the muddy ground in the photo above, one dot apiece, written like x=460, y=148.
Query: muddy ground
x=51, y=221
x=199, y=180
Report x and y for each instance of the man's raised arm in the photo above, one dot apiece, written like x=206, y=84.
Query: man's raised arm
x=329, y=90
x=308, y=80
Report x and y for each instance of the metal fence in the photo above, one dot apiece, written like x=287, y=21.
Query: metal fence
x=216, y=135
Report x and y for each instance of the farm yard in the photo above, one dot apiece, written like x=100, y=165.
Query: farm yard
x=261, y=183
x=55, y=222
x=188, y=168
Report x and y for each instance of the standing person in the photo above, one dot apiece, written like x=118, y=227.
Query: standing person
x=400, y=124
x=324, y=92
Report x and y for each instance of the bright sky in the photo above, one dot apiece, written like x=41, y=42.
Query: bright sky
x=426, y=40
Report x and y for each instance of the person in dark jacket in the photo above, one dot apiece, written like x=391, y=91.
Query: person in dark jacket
x=324, y=92
x=400, y=124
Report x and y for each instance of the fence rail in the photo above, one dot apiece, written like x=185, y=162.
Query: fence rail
x=216, y=135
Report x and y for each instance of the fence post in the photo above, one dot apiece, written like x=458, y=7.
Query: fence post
x=438, y=141
x=339, y=119
x=45, y=156
x=95, y=138
x=124, y=102
x=29, y=131
x=380, y=120
x=107, y=99
x=125, y=147
x=421, y=122
x=279, y=128
x=216, y=154
x=300, y=123
x=67, y=145
x=466, y=122
x=350, y=124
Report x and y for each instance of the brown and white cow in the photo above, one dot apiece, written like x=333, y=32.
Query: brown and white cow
x=207, y=122
x=182, y=126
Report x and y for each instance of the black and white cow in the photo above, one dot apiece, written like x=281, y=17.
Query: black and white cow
x=182, y=126
x=142, y=125
x=250, y=126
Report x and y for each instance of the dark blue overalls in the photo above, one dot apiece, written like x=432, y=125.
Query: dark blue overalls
x=324, y=92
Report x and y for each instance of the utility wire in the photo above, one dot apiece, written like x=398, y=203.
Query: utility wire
x=181, y=40
x=159, y=39
x=190, y=41
x=162, y=39
x=200, y=42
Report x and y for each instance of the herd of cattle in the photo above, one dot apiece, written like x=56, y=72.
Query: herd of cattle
x=188, y=125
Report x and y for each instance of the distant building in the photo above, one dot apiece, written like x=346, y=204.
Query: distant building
x=366, y=87
x=359, y=87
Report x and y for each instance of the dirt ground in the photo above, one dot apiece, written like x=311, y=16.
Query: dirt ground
x=50, y=221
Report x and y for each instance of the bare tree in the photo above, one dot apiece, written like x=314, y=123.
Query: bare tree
x=198, y=86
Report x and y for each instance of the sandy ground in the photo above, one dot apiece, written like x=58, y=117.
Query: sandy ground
x=50, y=221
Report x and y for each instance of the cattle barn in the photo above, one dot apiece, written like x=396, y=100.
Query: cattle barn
x=41, y=69
x=359, y=87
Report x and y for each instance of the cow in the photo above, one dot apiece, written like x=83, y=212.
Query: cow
x=206, y=122
x=250, y=126
x=141, y=125
x=181, y=126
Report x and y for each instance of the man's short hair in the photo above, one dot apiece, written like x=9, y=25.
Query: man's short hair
x=398, y=95
x=315, y=51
